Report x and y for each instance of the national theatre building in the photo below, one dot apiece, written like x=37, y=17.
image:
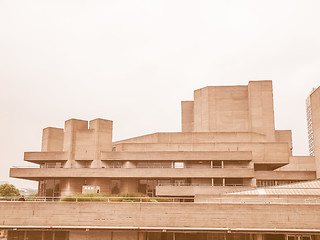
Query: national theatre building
x=228, y=175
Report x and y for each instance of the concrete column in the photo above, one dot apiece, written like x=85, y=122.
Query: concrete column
x=104, y=184
x=258, y=237
x=69, y=143
x=142, y=236
x=102, y=139
x=52, y=140
x=71, y=186
x=128, y=185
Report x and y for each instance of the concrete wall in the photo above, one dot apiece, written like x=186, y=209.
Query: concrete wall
x=261, y=114
x=285, y=136
x=315, y=114
x=299, y=163
x=157, y=215
x=187, y=116
x=231, y=109
x=195, y=190
x=221, y=109
x=285, y=175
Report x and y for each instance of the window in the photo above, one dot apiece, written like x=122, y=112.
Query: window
x=179, y=165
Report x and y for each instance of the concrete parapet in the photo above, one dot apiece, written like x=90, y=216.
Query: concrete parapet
x=207, y=216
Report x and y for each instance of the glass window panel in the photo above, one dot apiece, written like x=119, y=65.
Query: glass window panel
x=179, y=165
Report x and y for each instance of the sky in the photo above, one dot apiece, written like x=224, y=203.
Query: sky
x=133, y=61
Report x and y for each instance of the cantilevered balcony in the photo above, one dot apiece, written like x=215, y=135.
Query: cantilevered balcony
x=39, y=157
x=285, y=175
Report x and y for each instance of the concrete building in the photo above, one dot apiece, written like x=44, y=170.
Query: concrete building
x=228, y=144
x=309, y=122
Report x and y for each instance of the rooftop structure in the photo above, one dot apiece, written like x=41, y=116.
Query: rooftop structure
x=228, y=144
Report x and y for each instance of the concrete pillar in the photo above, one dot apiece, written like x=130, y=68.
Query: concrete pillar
x=102, y=139
x=187, y=116
x=71, y=186
x=52, y=140
x=315, y=116
x=128, y=185
x=128, y=164
x=258, y=237
x=261, y=113
x=142, y=236
x=92, y=235
x=69, y=144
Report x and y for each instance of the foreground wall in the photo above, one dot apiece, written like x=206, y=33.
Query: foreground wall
x=149, y=216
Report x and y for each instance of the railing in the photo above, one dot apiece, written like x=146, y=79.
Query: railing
x=214, y=167
x=206, y=200
x=26, y=166
x=96, y=199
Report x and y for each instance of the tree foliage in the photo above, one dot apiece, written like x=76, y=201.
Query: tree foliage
x=8, y=190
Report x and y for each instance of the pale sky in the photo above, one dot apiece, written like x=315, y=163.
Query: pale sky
x=134, y=61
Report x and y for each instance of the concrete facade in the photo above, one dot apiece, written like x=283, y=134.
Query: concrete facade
x=228, y=143
x=228, y=139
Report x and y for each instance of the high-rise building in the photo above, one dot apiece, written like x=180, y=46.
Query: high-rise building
x=309, y=122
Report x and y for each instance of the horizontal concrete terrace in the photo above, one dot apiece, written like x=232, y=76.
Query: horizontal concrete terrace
x=39, y=157
x=266, y=153
x=285, y=175
x=181, y=155
x=155, y=173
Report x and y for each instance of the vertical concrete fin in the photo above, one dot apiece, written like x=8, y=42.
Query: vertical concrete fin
x=69, y=143
x=102, y=139
x=261, y=113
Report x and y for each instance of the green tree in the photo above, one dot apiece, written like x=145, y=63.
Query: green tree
x=8, y=190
